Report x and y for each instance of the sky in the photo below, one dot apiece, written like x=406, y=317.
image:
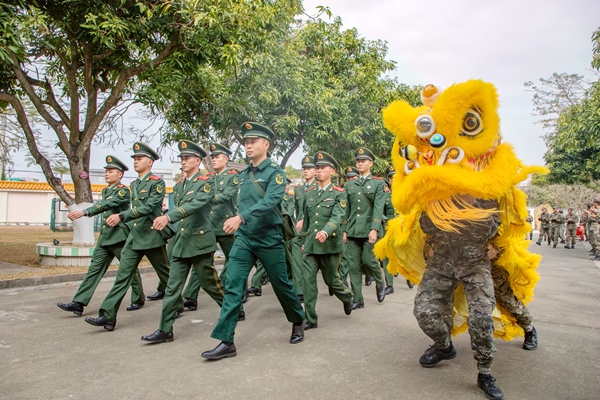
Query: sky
x=443, y=42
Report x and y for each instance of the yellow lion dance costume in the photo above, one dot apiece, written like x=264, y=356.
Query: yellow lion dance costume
x=452, y=146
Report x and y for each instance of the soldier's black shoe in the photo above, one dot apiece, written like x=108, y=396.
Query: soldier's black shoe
x=331, y=291
x=487, y=383
x=389, y=290
x=597, y=258
x=368, y=280
x=134, y=307
x=410, y=284
x=567, y=247
x=554, y=246
x=190, y=304
x=297, y=333
x=380, y=293
x=538, y=243
x=311, y=326
x=159, y=295
x=265, y=280
x=74, y=307
x=434, y=355
x=301, y=298
x=531, y=341
x=348, y=306
x=242, y=316
x=101, y=321
x=245, y=297
x=223, y=350
x=562, y=241
x=159, y=337
x=358, y=304
x=255, y=291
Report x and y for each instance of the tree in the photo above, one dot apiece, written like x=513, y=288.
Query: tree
x=78, y=61
x=562, y=196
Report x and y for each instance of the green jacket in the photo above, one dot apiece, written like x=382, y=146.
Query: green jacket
x=224, y=205
x=288, y=206
x=324, y=213
x=388, y=209
x=365, y=207
x=261, y=223
x=115, y=199
x=192, y=209
x=148, y=196
x=299, y=194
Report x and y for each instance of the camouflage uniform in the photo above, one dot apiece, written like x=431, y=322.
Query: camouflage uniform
x=583, y=221
x=506, y=299
x=556, y=220
x=593, y=230
x=572, y=221
x=544, y=219
x=455, y=258
x=561, y=228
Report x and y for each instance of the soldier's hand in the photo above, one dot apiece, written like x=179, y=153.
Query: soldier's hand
x=232, y=224
x=372, y=236
x=160, y=222
x=492, y=252
x=113, y=220
x=321, y=236
x=344, y=238
x=73, y=215
x=299, y=225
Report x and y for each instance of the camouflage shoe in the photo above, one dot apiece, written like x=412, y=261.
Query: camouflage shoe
x=487, y=383
x=434, y=355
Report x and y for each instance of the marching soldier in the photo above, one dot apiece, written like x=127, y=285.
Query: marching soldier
x=584, y=220
x=544, y=219
x=351, y=174
x=556, y=220
x=115, y=199
x=364, y=213
x=561, y=228
x=572, y=221
x=258, y=235
x=324, y=210
x=389, y=212
x=148, y=195
x=593, y=229
x=224, y=205
x=194, y=244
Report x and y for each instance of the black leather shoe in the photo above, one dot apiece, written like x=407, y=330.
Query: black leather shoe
x=348, y=306
x=178, y=314
x=410, y=284
x=134, y=306
x=487, y=383
x=159, y=337
x=190, y=304
x=331, y=291
x=554, y=246
x=433, y=355
x=301, y=298
x=265, y=280
x=297, y=333
x=531, y=341
x=597, y=258
x=76, y=308
x=222, y=350
x=102, y=321
x=358, y=304
x=389, y=290
x=381, y=293
x=255, y=291
x=368, y=280
x=538, y=243
x=567, y=247
x=242, y=316
x=311, y=326
x=562, y=242
x=245, y=297
x=156, y=296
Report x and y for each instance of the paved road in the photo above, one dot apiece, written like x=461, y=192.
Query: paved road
x=372, y=354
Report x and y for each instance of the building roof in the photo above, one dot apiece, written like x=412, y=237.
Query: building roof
x=45, y=187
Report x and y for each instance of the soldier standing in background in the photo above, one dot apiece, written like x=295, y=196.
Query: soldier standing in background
x=572, y=221
x=561, y=228
x=556, y=220
x=584, y=220
x=544, y=219
x=593, y=229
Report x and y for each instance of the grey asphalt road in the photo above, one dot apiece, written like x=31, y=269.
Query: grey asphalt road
x=371, y=354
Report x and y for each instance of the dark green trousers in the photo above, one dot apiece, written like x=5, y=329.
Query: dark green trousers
x=242, y=257
x=205, y=273
x=258, y=276
x=193, y=286
x=130, y=260
x=101, y=259
x=361, y=259
x=329, y=264
x=344, y=266
x=298, y=264
x=389, y=279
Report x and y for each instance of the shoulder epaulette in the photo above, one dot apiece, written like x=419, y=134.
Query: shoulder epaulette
x=274, y=164
x=311, y=188
x=211, y=173
x=154, y=178
x=339, y=189
x=203, y=178
x=120, y=186
x=232, y=171
x=378, y=178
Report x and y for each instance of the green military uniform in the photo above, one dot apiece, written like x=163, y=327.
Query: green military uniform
x=224, y=206
x=148, y=195
x=366, y=201
x=351, y=172
x=544, y=219
x=572, y=221
x=556, y=220
x=260, y=236
x=324, y=210
x=194, y=243
x=115, y=199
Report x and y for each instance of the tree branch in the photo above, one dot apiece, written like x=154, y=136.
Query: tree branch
x=291, y=150
x=92, y=93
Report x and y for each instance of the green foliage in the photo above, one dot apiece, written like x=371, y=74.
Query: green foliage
x=562, y=196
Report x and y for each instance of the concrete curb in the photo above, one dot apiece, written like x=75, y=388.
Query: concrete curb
x=53, y=279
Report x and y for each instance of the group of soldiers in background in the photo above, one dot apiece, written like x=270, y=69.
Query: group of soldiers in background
x=557, y=227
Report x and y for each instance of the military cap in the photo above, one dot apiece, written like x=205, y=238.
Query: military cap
x=362, y=153
x=113, y=162
x=308, y=162
x=254, y=130
x=391, y=170
x=216, y=148
x=189, y=148
x=142, y=149
x=351, y=171
x=323, y=159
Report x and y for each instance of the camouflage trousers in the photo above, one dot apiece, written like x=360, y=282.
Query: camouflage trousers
x=554, y=234
x=593, y=228
x=506, y=299
x=544, y=234
x=571, y=236
x=434, y=303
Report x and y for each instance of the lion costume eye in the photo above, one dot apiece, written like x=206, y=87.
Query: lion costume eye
x=472, y=124
x=425, y=126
